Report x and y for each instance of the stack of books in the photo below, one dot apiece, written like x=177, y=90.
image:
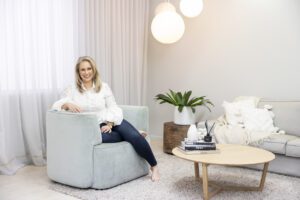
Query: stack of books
x=197, y=147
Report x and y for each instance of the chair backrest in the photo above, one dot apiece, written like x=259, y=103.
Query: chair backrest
x=138, y=116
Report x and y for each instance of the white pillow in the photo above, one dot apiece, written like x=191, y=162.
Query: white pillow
x=233, y=111
x=254, y=99
x=260, y=120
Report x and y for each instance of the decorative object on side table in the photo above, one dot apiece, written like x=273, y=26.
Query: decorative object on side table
x=184, y=113
x=192, y=133
x=194, y=143
x=198, y=147
x=208, y=137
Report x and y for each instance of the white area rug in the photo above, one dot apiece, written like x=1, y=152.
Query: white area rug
x=178, y=182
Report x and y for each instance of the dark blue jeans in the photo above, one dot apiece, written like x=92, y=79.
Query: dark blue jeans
x=126, y=132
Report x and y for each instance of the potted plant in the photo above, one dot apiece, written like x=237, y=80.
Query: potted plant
x=184, y=113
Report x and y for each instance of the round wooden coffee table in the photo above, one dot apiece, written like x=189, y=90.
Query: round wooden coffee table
x=230, y=155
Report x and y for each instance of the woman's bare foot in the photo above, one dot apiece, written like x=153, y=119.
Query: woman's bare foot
x=143, y=133
x=155, y=176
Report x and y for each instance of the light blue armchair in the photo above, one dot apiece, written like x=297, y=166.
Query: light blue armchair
x=77, y=157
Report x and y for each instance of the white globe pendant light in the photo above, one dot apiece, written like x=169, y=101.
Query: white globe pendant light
x=167, y=26
x=191, y=8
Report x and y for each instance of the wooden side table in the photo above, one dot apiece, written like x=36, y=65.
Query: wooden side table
x=173, y=135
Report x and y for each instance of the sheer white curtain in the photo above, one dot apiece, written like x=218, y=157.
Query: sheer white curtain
x=116, y=36
x=37, y=57
x=39, y=44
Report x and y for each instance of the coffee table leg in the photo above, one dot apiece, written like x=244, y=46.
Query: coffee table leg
x=263, y=177
x=205, y=181
x=196, y=167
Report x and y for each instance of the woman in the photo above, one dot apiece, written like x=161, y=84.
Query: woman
x=92, y=94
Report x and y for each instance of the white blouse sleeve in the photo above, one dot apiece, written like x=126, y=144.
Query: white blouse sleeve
x=113, y=113
x=66, y=97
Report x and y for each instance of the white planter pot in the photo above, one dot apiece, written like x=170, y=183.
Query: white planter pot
x=186, y=117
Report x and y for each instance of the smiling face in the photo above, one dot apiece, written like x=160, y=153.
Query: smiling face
x=86, y=72
x=87, y=75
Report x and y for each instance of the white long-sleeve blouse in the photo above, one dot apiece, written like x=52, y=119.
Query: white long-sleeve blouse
x=102, y=103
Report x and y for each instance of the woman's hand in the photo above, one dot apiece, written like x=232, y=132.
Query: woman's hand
x=71, y=107
x=106, y=129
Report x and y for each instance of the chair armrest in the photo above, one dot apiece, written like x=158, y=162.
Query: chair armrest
x=70, y=141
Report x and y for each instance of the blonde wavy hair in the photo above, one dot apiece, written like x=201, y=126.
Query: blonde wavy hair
x=96, y=76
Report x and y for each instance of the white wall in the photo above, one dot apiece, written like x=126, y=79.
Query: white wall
x=235, y=47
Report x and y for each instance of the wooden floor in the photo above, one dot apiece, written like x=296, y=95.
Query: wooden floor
x=32, y=183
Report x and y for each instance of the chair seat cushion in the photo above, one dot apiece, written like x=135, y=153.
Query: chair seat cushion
x=116, y=163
